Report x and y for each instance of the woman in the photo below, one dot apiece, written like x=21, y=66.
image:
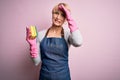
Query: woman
x=54, y=45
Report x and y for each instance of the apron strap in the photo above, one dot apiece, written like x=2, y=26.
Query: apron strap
x=62, y=33
x=47, y=32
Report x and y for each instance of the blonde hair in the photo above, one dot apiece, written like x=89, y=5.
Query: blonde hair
x=56, y=7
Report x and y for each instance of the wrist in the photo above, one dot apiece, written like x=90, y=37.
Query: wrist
x=32, y=42
x=33, y=47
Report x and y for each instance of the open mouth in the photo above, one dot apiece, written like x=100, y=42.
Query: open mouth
x=57, y=21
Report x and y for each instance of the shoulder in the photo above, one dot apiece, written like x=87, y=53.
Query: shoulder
x=41, y=34
x=66, y=32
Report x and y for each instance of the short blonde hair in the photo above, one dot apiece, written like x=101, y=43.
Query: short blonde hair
x=56, y=7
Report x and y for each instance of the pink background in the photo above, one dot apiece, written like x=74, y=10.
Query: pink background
x=99, y=22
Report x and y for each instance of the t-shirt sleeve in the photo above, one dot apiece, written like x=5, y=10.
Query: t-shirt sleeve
x=75, y=38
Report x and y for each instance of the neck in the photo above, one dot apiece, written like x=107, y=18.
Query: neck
x=56, y=28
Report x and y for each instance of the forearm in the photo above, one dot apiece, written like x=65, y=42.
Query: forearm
x=34, y=46
x=37, y=58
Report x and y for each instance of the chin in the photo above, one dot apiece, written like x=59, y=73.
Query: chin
x=57, y=25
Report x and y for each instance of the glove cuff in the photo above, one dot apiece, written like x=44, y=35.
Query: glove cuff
x=72, y=25
x=33, y=51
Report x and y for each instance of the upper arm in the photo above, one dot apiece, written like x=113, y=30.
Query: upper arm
x=75, y=38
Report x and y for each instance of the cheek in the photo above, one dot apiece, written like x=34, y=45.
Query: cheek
x=53, y=17
x=63, y=20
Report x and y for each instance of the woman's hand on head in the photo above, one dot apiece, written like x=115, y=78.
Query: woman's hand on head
x=71, y=23
x=65, y=10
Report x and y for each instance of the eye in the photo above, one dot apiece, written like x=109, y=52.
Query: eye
x=63, y=15
x=56, y=12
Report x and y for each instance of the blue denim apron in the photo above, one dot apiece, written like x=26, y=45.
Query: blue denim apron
x=54, y=55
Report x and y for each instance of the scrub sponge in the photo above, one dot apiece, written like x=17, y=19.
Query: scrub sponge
x=33, y=31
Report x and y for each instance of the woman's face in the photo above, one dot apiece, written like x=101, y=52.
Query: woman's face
x=58, y=18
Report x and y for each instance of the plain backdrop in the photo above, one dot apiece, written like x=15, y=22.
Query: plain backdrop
x=98, y=20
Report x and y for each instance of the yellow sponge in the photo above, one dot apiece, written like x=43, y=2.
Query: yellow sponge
x=33, y=31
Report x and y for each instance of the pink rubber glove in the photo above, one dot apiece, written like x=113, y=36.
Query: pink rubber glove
x=71, y=22
x=32, y=43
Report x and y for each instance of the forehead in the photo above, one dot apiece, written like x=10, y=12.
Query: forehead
x=57, y=9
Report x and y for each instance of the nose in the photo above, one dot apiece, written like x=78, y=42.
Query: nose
x=59, y=16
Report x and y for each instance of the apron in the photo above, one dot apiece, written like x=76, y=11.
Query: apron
x=54, y=55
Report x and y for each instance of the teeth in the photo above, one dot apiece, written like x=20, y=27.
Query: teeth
x=57, y=21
